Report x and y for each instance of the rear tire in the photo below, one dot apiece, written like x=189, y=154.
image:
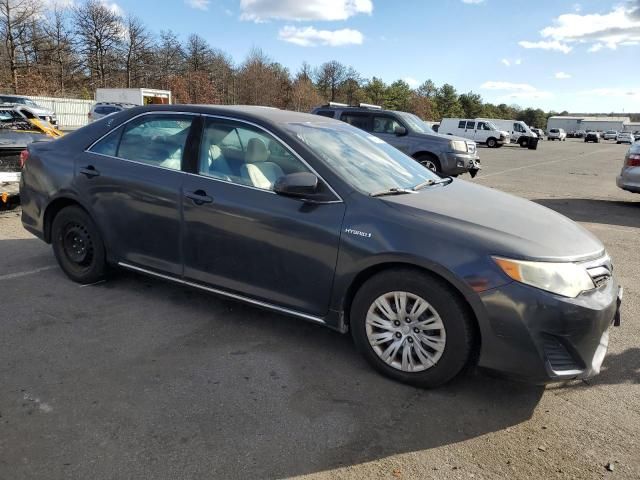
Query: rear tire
x=492, y=142
x=430, y=161
x=425, y=348
x=78, y=246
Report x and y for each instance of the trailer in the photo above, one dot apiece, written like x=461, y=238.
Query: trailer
x=134, y=96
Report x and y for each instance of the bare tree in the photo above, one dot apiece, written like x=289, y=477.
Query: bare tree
x=329, y=77
x=136, y=47
x=168, y=58
x=99, y=34
x=15, y=19
x=61, y=50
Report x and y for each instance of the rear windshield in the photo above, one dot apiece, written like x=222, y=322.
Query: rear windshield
x=554, y=130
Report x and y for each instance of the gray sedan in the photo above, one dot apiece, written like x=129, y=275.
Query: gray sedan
x=629, y=178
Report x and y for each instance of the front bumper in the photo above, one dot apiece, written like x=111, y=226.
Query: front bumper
x=541, y=337
x=454, y=163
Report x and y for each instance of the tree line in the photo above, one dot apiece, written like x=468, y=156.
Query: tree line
x=69, y=52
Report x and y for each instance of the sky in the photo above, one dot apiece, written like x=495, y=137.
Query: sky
x=557, y=55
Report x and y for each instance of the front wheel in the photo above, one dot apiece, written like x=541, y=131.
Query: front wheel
x=430, y=161
x=492, y=142
x=524, y=143
x=412, y=327
x=78, y=246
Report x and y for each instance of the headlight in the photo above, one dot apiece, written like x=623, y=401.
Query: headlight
x=458, y=145
x=566, y=279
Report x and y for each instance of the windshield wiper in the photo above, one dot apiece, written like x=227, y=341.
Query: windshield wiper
x=428, y=183
x=391, y=191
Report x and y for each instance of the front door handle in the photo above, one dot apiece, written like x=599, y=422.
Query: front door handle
x=199, y=197
x=89, y=171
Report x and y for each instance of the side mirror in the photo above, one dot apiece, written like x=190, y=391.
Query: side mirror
x=400, y=130
x=300, y=184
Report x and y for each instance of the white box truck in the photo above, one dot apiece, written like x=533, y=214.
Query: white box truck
x=481, y=131
x=518, y=130
x=134, y=96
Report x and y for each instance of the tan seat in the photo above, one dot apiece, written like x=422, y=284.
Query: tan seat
x=257, y=169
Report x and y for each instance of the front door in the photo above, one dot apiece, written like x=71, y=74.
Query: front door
x=384, y=127
x=241, y=236
x=132, y=181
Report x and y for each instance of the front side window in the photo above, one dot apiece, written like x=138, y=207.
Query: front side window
x=384, y=124
x=240, y=153
x=157, y=140
x=360, y=159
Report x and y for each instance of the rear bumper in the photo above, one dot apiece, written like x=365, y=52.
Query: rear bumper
x=628, y=182
x=539, y=337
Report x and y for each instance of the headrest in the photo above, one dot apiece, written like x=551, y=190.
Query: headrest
x=256, y=151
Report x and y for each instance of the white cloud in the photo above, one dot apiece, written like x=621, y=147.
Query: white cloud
x=310, y=37
x=614, y=92
x=552, y=45
x=505, y=62
x=562, y=75
x=412, y=82
x=515, y=90
x=59, y=4
x=619, y=27
x=472, y=2
x=301, y=10
x=198, y=4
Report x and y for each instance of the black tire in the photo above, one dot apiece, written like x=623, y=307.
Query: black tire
x=523, y=142
x=492, y=142
x=458, y=324
x=430, y=161
x=78, y=246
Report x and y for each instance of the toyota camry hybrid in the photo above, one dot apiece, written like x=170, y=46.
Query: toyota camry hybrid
x=314, y=218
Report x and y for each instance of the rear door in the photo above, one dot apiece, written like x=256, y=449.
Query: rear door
x=131, y=180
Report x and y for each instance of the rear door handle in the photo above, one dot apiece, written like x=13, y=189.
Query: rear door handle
x=199, y=197
x=89, y=171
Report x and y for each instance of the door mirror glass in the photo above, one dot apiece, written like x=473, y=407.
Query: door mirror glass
x=300, y=184
x=400, y=130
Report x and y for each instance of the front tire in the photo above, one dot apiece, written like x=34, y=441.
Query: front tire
x=431, y=162
x=412, y=327
x=78, y=246
x=492, y=142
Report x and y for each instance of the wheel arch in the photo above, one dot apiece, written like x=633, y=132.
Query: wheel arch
x=472, y=305
x=53, y=208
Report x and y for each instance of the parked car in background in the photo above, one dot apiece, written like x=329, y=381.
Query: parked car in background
x=636, y=136
x=42, y=112
x=629, y=178
x=557, y=134
x=625, y=137
x=314, y=218
x=102, y=109
x=580, y=133
x=610, y=135
x=409, y=134
x=481, y=131
x=539, y=132
x=592, y=137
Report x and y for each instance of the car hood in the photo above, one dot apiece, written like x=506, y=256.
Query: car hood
x=505, y=224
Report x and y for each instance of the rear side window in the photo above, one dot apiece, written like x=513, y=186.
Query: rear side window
x=106, y=110
x=157, y=140
x=462, y=123
x=326, y=113
x=361, y=121
x=471, y=125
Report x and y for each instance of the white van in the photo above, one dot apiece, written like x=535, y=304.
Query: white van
x=479, y=130
x=519, y=131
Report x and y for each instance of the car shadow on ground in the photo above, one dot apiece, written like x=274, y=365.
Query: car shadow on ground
x=147, y=379
x=609, y=212
x=623, y=367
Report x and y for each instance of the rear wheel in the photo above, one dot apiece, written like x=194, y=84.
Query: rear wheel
x=78, y=246
x=412, y=327
x=492, y=142
x=429, y=161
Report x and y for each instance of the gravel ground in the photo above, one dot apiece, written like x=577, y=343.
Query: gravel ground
x=136, y=378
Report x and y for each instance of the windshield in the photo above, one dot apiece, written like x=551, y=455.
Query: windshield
x=415, y=123
x=492, y=126
x=363, y=161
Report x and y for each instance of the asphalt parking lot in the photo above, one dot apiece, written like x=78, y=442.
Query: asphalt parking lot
x=137, y=378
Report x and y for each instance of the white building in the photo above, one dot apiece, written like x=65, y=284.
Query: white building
x=632, y=127
x=571, y=124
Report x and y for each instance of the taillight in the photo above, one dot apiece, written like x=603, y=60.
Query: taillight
x=24, y=156
x=633, y=160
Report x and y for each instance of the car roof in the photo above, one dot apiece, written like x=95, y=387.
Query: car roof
x=270, y=115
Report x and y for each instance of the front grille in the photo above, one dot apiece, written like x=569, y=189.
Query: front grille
x=10, y=161
x=600, y=270
x=558, y=356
